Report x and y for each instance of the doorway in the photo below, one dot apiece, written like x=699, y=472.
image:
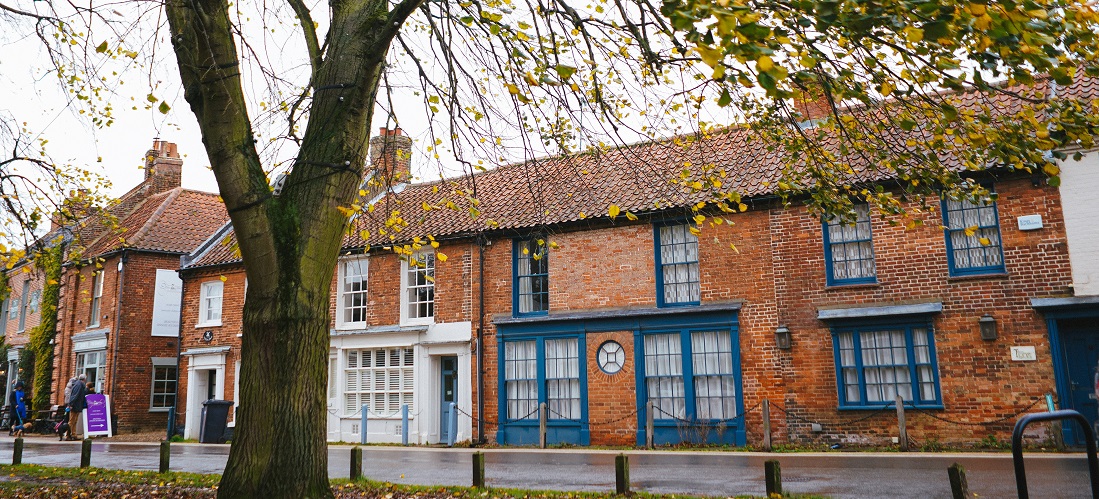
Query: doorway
x=448, y=393
x=211, y=384
x=1080, y=344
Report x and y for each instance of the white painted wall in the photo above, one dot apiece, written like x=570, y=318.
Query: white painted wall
x=444, y=339
x=1080, y=203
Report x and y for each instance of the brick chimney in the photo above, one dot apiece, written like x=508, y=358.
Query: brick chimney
x=391, y=155
x=163, y=167
x=811, y=104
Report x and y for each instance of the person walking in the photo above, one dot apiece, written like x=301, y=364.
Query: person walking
x=76, y=406
x=17, y=401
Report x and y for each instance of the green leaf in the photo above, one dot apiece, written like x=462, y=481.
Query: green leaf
x=725, y=98
x=565, y=72
x=163, y=108
x=151, y=98
x=101, y=48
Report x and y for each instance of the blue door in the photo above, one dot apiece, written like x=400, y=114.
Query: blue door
x=1080, y=338
x=449, y=394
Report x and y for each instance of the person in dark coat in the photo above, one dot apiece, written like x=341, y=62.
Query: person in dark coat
x=76, y=406
x=17, y=401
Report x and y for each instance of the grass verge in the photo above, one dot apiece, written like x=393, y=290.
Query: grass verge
x=34, y=481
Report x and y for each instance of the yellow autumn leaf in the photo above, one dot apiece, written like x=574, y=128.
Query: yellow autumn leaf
x=764, y=64
x=223, y=278
x=971, y=231
x=699, y=219
x=440, y=256
x=985, y=241
x=630, y=216
x=613, y=211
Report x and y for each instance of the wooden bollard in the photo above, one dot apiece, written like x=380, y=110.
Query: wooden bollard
x=17, y=453
x=165, y=456
x=622, y=474
x=86, y=453
x=542, y=438
x=650, y=426
x=356, y=463
x=959, y=487
x=479, y=470
x=766, y=425
x=772, y=472
x=902, y=437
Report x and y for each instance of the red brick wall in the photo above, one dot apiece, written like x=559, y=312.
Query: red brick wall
x=979, y=381
x=227, y=334
x=612, y=397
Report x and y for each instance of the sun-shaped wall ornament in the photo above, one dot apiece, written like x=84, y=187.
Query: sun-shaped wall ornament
x=611, y=357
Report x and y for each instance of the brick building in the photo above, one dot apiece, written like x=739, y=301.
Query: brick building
x=119, y=305
x=610, y=316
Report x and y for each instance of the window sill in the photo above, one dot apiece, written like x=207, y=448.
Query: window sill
x=350, y=326
x=891, y=407
x=160, y=410
x=854, y=285
x=208, y=324
x=418, y=322
x=977, y=277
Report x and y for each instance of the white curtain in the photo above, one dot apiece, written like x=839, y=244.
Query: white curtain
x=563, y=378
x=714, y=384
x=664, y=375
x=521, y=378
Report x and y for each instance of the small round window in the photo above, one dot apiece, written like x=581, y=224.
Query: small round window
x=611, y=357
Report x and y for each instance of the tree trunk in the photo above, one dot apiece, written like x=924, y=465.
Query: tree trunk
x=289, y=244
x=280, y=448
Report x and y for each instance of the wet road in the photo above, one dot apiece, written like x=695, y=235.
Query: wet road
x=854, y=475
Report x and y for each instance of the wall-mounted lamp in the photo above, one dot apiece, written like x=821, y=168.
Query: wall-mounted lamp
x=782, y=338
x=988, y=327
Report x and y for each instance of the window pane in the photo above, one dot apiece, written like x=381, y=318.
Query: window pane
x=973, y=236
x=893, y=361
x=384, y=384
x=664, y=375
x=420, y=286
x=521, y=379
x=850, y=247
x=711, y=358
x=562, y=378
x=679, y=264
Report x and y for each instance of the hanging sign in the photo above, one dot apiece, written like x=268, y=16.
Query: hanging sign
x=97, y=415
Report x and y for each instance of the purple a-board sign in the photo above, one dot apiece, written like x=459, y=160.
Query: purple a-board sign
x=97, y=415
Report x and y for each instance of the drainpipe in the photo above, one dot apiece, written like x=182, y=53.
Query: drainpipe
x=179, y=350
x=117, y=320
x=481, y=342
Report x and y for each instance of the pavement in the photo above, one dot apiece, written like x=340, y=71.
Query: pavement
x=834, y=474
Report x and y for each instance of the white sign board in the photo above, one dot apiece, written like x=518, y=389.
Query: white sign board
x=1030, y=222
x=169, y=289
x=1023, y=354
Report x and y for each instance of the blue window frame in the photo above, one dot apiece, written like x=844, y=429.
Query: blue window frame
x=530, y=287
x=877, y=362
x=973, y=244
x=849, y=249
x=543, y=369
x=691, y=375
x=677, y=274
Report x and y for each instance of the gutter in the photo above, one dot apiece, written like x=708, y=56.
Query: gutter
x=117, y=321
x=481, y=342
x=179, y=356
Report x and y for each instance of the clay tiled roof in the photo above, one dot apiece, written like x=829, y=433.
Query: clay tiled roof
x=637, y=178
x=173, y=221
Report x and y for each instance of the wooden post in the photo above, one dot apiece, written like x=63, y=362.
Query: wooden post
x=772, y=473
x=17, y=453
x=649, y=426
x=86, y=453
x=902, y=439
x=766, y=425
x=356, y=463
x=479, y=470
x=165, y=455
x=542, y=425
x=959, y=487
x=622, y=474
